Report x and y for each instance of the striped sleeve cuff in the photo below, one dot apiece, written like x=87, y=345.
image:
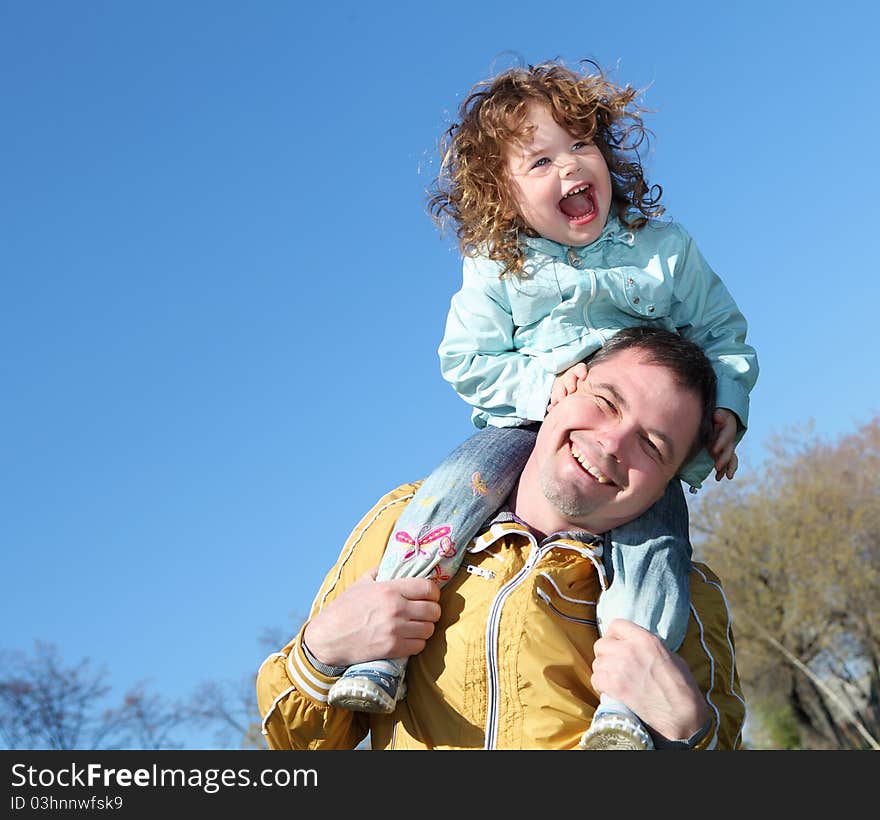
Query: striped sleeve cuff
x=305, y=675
x=323, y=668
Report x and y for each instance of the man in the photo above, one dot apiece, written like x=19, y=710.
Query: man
x=507, y=654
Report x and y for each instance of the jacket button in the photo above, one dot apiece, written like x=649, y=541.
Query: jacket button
x=635, y=300
x=650, y=308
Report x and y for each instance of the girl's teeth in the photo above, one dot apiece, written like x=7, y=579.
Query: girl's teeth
x=577, y=191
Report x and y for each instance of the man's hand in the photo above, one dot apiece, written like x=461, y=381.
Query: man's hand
x=722, y=446
x=567, y=382
x=633, y=666
x=375, y=619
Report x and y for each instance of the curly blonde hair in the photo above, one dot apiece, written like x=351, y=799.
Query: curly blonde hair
x=471, y=189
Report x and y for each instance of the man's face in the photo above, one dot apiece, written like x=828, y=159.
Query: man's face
x=605, y=454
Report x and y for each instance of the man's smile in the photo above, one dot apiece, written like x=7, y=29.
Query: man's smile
x=594, y=471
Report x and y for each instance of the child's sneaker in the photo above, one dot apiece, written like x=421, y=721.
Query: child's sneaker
x=616, y=732
x=375, y=687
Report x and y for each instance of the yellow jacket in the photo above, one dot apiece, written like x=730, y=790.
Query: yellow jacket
x=508, y=666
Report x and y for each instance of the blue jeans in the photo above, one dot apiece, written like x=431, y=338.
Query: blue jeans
x=446, y=512
x=648, y=562
x=468, y=487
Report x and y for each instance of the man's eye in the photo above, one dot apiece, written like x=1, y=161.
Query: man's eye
x=652, y=449
x=605, y=404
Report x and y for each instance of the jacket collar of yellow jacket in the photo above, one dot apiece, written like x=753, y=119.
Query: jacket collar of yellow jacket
x=505, y=524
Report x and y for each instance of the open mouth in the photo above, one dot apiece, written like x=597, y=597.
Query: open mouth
x=591, y=469
x=578, y=204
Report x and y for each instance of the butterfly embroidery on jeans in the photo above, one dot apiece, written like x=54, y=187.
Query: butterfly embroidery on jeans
x=446, y=548
x=437, y=575
x=423, y=539
x=478, y=485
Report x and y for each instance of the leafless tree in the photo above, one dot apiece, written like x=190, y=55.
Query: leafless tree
x=798, y=547
x=47, y=704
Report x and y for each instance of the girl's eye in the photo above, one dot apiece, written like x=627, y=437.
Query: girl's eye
x=541, y=162
x=578, y=145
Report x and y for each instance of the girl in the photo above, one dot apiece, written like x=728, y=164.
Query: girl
x=562, y=248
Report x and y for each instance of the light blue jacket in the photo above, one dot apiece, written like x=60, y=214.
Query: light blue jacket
x=507, y=339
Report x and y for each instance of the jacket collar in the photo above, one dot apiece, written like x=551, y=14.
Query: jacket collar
x=614, y=232
x=505, y=522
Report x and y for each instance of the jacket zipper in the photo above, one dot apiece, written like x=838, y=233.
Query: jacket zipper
x=494, y=619
x=593, y=288
x=546, y=599
x=492, y=641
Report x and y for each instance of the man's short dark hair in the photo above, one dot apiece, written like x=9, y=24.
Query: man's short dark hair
x=683, y=358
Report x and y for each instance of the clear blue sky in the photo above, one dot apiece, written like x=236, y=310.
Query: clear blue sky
x=222, y=296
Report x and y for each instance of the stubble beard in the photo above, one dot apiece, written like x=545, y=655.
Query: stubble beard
x=566, y=498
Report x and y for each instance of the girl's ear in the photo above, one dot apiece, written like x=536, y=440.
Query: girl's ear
x=511, y=192
x=511, y=213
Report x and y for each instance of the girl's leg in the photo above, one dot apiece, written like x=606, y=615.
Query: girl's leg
x=648, y=562
x=430, y=539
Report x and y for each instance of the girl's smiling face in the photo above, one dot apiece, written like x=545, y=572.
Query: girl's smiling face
x=560, y=184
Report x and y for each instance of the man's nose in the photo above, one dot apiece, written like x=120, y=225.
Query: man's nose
x=613, y=440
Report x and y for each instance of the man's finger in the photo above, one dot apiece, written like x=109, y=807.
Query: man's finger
x=418, y=589
x=427, y=611
x=417, y=630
